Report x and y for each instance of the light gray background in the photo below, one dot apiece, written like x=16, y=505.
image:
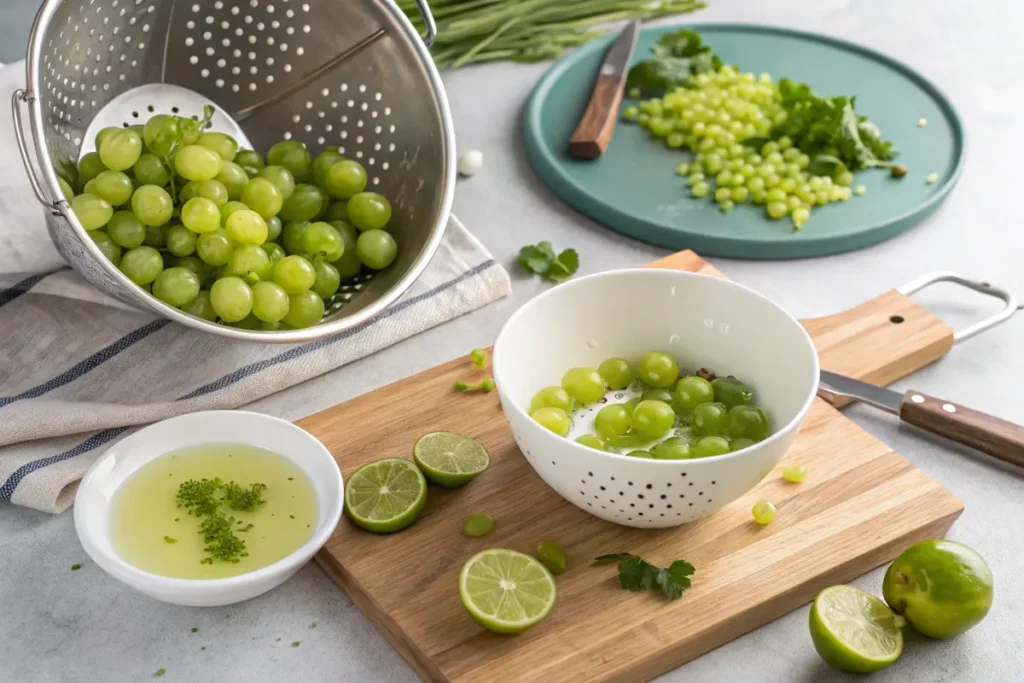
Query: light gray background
x=84, y=626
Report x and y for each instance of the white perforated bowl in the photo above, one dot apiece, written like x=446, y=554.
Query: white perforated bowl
x=700, y=320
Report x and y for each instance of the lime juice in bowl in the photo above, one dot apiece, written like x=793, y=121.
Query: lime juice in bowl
x=697, y=322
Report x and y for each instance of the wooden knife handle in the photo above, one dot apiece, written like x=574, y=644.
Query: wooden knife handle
x=594, y=132
x=987, y=433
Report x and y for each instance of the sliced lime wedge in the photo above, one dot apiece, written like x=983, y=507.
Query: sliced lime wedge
x=450, y=460
x=855, y=631
x=385, y=496
x=506, y=591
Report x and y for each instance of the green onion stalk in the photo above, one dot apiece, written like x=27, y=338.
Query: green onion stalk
x=478, y=31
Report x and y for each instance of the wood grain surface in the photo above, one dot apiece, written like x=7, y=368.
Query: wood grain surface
x=860, y=505
x=987, y=433
x=597, y=124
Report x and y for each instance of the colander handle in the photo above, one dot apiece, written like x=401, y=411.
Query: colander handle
x=19, y=135
x=428, y=22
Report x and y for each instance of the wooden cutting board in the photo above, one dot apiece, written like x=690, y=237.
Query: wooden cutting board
x=860, y=505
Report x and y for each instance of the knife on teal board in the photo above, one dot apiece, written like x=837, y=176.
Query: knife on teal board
x=595, y=128
x=987, y=433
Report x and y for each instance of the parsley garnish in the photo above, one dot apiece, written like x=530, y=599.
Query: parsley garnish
x=542, y=260
x=677, y=57
x=637, y=575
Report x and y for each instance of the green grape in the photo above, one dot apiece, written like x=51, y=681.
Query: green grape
x=250, y=263
x=142, y=264
x=121, y=149
x=325, y=199
x=640, y=454
x=249, y=322
x=709, y=419
x=213, y=190
x=305, y=309
x=658, y=369
x=263, y=197
x=739, y=444
x=291, y=237
x=93, y=212
x=250, y=158
x=691, y=392
x=663, y=395
x=201, y=307
x=234, y=179
x=65, y=188
x=794, y=473
x=189, y=129
x=709, y=446
x=376, y=249
x=349, y=264
x=180, y=240
x=200, y=214
x=231, y=299
x=192, y=263
x=295, y=274
x=281, y=177
x=613, y=420
x=104, y=133
x=126, y=230
x=345, y=179
x=89, y=166
x=273, y=228
x=747, y=422
x=617, y=373
x=90, y=188
x=653, y=419
x=321, y=239
x=113, y=186
x=369, y=211
x=274, y=251
x=763, y=511
x=323, y=162
x=269, y=302
x=304, y=204
x=731, y=391
x=160, y=133
x=152, y=205
x=195, y=162
x=327, y=279
x=551, y=397
x=214, y=248
x=110, y=250
x=229, y=208
x=701, y=189
x=554, y=419
x=246, y=227
x=675, y=448
x=293, y=155
x=176, y=286
x=150, y=170
x=583, y=384
x=592, y=441
x=337, y=211
x=156, y=236
x=138, y=128
x=777, y=209
x=221, y=143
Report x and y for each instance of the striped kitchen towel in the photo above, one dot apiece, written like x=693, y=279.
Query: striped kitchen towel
x=78, y=369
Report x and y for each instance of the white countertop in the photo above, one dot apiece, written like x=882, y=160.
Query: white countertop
x=60, y=625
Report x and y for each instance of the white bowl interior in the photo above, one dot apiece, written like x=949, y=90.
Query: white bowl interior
x=700, y=320
x=100, y=485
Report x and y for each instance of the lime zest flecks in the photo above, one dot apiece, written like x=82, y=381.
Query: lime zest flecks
x=200, y=499
x=75, y=567
x=168, y=539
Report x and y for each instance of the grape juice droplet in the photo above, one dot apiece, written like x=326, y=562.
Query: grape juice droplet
x=592, y=345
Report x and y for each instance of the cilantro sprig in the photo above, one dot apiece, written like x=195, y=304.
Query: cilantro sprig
x=635, y=574
x=678, y=57
x=541, y=259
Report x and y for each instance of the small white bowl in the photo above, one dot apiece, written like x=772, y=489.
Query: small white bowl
x=701, y=321
x=98, y=488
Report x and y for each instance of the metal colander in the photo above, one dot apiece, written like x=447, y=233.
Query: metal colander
x=353, y=74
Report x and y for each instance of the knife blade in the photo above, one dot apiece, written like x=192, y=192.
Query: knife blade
x=594, y=131
x=987, y=433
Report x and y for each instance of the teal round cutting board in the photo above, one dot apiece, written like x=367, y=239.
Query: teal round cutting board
x=633, y=188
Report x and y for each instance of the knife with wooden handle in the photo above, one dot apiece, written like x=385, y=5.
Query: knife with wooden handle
x=594, y=131
x=987, y=433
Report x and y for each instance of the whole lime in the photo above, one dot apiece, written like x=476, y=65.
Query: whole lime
x=942, y=587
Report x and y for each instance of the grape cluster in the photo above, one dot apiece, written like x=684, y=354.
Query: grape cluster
x=713, y=119
x=222, y=233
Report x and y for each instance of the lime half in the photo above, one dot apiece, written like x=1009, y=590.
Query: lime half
x=506, y=591
x=449, y=459
x=855, y=631
x=385, y=496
